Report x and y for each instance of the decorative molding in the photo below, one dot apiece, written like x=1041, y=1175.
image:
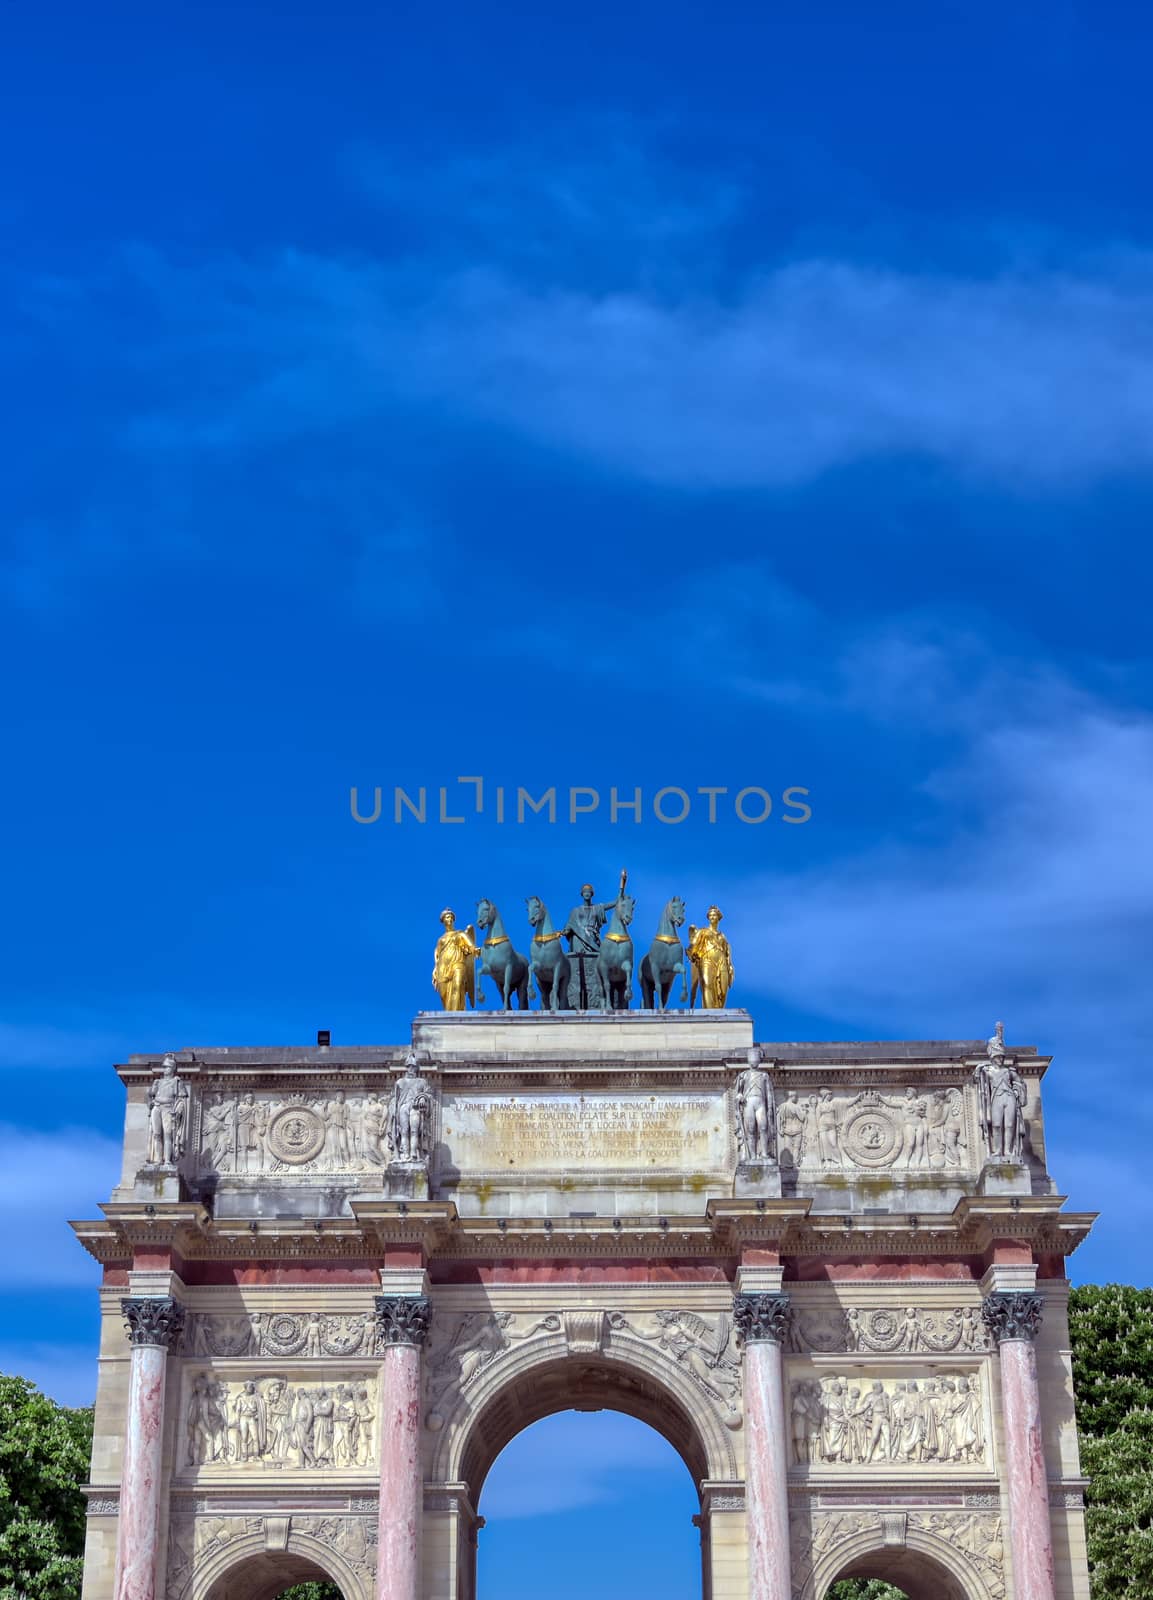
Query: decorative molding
x=154, y=1321
x=104, y=1505
x=887, y=1330
x=311, y=1334
x=762, y=1318
x=402, y=1319
x=1012, y=1315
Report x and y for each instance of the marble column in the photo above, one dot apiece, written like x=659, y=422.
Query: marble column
x=402, y=1322
x=153, y=1327
x=763, y=1322
x=1013, y=1320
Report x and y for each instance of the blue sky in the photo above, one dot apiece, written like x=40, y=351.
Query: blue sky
x=758, y=395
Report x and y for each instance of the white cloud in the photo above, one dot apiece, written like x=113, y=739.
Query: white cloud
x=1035, y=379
x=46, y=1178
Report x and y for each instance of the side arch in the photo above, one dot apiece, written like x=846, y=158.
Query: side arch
x=247, y=1569
x=546, y=1377
x=927, y=1566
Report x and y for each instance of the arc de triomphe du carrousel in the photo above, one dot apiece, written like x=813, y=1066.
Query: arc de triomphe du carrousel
x=339, y=1280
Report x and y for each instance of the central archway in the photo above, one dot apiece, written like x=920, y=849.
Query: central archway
x=516, y=1394
x=266, y=1575
x=587, y=1503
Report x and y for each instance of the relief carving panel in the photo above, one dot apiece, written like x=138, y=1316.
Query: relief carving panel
x=837, y=1421
x=238, y=1424
x=885, y=1330
x=912, y=1132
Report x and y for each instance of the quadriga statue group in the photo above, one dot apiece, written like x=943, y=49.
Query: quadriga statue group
x=588, y=963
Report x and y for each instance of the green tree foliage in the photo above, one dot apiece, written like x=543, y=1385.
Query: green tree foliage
x=865, y=1589
x=311, y=1591
x=44, y=1455
x=1112, y=1338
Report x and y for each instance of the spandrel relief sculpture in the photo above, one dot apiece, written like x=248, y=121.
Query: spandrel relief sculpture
x=863, y=1421
x=464, y=1347
x=270, y=1421
x=915, y=1131
x=168, y=1099
x=704, y=1347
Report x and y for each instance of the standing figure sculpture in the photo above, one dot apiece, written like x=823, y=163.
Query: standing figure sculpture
x=665, y=959
x=548, y=961
x=712, y=962
x=756, y=1124
x=454, y=964
x=614, y=966
x=167, y=1116
x=1001, y=1096
x=583, y=932
x=410, y=1114
x=507, y=968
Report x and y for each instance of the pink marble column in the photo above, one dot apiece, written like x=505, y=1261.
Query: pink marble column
x=153, y=1327
x=1013, y=1321
x=402, y=1328
x=763, y=1321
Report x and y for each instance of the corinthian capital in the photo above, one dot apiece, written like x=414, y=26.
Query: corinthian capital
x=1012, y=1316
x=157, y=1320
x=762, y=1318
x=402, y=1318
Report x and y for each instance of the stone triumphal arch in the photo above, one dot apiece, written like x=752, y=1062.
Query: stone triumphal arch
x=338, y=1281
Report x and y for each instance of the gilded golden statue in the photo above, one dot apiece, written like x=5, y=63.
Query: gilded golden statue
x=454, y=964
x=712, y=962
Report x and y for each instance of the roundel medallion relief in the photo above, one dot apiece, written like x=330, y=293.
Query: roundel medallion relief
x=871, y=1137
x=296, y=1134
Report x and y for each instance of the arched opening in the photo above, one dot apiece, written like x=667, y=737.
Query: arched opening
x=896, y=1573
x=270, y=1574
x=579, y=1504
x=609, y=1463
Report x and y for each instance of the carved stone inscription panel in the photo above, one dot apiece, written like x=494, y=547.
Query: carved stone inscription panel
x=669, y=1131
x=870, y=1420
x=233, y=1425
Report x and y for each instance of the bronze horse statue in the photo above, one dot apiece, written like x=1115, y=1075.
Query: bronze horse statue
x=507, y=968
x=665, y=959
x=615, y=961
x=549, y=962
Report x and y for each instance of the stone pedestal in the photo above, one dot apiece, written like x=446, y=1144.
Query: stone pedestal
x=757, y=1180
x=402, y=1327
x=406, y=1180
x=1013, y=1321
x=763, y=1321
x=153, y=1326
x=1000, y=1175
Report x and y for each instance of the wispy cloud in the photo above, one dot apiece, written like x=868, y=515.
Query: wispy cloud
x=1036, y=380
x=46, y=1177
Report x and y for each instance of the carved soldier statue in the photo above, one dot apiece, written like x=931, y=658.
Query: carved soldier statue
x=410, y=1114
x=582, y=929
x=167, y=1116
x=756, y=1123
x=1001, y=1094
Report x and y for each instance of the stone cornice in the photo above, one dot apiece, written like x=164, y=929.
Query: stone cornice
x=788, y=1226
